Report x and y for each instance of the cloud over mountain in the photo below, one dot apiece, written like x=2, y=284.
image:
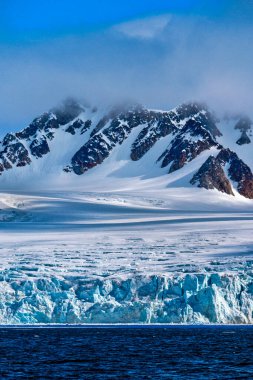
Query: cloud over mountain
x=159, y=61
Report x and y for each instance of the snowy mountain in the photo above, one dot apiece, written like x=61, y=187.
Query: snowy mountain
x=78, y=144
x=127, y=215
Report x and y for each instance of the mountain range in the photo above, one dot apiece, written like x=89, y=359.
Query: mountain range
x=130, y=141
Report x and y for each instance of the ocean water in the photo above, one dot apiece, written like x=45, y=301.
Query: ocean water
x=102, y=352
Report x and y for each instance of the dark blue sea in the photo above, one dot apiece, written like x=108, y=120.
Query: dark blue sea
x=173, y=352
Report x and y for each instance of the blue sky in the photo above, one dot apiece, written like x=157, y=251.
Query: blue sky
x=29, y=20
x=159, y=52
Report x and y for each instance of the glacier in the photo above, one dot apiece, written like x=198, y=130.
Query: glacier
x=81, y=258
x=187, y=298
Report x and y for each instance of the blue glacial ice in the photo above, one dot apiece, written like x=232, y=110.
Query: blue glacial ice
x=185, y=298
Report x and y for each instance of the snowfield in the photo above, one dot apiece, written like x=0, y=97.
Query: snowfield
x=109, y=225
x=126, y=257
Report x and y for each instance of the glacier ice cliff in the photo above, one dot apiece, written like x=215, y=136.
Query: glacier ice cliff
x=176, y=298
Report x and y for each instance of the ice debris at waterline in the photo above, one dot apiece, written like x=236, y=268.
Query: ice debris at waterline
x=187, y=298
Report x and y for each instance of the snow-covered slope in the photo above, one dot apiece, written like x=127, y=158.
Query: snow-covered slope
x=127, y=215
x=84, y=258
x=127, y=148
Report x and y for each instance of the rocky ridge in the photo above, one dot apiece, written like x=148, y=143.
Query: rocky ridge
x=190, y=129
x=216, y=172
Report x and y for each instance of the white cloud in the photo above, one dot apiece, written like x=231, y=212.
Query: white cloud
x=191, y=59
x=146, y=28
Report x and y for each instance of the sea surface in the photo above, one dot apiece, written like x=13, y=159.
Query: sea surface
x=126, y=352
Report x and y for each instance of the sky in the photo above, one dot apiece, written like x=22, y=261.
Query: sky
x=156, y=52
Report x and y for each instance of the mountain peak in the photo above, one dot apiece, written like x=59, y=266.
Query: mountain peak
x=73, y=138
x=67, y=111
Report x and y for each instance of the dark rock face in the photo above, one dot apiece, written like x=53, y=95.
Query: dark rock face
x=13, y=151
x=166, y=123
x=39, y=147
x=187, y=145
x=79, y=124
x=86, y=126
x=121, y=126
x=159, y=126
x=9, y=138
x=15, y=154
x=114, y=113
x=199, y=112
x=208, y=121
x=91, y=154
x=189, y=119
x=4, y=163
x=211, y=175
x=69, y=110
x=245, y=186
x=238, y=172
x=45, y=122
x=244, y=139
x=99, y=146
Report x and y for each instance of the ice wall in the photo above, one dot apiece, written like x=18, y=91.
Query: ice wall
x=185, y=298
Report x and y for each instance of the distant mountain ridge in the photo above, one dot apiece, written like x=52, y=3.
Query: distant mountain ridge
x=76, y=139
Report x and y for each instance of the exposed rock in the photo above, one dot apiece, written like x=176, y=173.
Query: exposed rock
x=244, y=139
x=212, y=174
x=208, y=121
x=115, y=127
x=16, y=154
x=238, y=172
x=86, y=126
x=165, y=123
x=1, y=168
x=161, y=125
x=13, y=149
x=199, y=112
x=112, y=114
x=9, y=138
x=43, y=123
x=69, y=110
x=101, y=144
x=192, y=140
x=91, y=154
x=78, y=125
x=39, y=147
x=5, y=163
x=50, y=135
x=191, y=126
